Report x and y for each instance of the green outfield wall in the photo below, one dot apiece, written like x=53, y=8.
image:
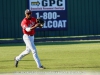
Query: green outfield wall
x=83, y=19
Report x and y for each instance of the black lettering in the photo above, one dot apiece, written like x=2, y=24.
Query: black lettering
x=51, y=2
x=44, y=3
x=59, y=3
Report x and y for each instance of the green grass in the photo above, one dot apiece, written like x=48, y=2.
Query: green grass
x=79, y=55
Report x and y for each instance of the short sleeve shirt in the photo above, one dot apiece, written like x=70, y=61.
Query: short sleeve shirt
x=28, y=23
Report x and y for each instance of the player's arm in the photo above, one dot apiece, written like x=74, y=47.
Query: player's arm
x=35, y=26
x=24, y=25
x=28, y=29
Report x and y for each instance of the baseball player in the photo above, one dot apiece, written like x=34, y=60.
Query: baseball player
x=28, y=25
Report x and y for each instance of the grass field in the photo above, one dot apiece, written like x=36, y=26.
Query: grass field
x=55, y=56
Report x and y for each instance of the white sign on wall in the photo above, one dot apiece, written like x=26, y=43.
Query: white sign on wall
x=40, y=5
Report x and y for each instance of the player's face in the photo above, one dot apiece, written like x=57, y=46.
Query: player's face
x=28, y=15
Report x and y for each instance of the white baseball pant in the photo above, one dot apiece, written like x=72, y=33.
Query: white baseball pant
x=30, y=47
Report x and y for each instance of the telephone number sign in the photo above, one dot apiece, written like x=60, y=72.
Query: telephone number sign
x=53, y=12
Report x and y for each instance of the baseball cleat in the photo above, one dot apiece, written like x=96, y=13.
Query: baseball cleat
x=16, y=63
x=42, y=67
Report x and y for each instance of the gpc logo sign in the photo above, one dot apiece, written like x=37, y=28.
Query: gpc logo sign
x=47, y=5
x=52, y=2
x=54, y=13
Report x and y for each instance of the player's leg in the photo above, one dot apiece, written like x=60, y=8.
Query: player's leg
x=24, y=53
x=31, y=45
x=35, y=55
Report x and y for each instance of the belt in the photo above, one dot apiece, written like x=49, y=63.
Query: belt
x=30, y=35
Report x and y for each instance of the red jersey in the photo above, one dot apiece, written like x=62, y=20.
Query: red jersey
x=28, y=23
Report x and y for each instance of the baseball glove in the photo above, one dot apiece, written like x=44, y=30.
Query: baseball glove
x=41, y=21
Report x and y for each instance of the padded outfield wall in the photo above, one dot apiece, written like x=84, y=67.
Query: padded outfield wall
x=83, y=18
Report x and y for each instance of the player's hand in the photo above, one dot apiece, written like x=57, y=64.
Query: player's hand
x=41, y=22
